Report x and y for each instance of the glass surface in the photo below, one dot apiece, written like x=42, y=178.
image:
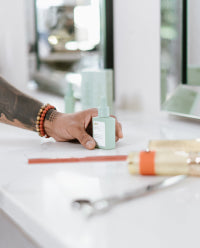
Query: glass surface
x=171, y=46
x=180, y=57
x=67, y=32
x=70, y=37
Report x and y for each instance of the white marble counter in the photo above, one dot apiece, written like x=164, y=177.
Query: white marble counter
x=38, y=197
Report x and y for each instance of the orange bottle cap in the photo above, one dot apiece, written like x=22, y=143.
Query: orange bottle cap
x=147, y=163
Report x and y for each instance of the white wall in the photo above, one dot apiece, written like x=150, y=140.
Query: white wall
x=13, y=57
x=137, y=62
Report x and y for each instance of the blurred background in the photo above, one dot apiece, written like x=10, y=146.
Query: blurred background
x=43, y=40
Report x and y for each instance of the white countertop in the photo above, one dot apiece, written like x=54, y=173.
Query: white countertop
x=38, y=197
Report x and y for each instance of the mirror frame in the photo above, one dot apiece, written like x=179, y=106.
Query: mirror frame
x=184, y=42
x=183, y=99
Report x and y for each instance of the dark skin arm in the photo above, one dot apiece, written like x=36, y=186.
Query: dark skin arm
x=21, y=110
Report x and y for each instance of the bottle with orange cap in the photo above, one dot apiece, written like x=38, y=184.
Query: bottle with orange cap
x=164, y=163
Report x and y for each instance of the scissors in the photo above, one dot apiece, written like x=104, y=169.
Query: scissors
x=103, y=205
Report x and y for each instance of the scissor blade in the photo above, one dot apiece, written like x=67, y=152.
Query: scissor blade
x=151, y=188
x=105, y=204
x=168, y=182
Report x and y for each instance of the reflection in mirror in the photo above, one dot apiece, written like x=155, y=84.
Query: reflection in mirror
x=180, y=75
x=70, y=37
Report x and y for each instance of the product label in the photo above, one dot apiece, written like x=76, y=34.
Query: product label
x=99, y=133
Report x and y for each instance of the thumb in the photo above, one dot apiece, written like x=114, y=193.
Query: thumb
x=85, y=139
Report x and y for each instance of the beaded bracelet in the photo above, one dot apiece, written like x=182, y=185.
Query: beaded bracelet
x=40, y=119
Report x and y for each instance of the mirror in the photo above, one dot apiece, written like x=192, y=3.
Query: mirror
x=180, y=59
x=70, y=36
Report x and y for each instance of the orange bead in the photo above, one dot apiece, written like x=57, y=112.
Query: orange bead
x=40, y=119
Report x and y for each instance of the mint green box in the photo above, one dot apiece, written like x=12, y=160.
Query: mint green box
x=94, y=85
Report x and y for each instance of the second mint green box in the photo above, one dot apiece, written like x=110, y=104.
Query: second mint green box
x=94, y=85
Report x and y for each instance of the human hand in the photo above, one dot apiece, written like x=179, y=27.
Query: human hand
x=77, y=126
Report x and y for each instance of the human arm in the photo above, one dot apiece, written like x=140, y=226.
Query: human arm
x=21, y=110
x=17, y=108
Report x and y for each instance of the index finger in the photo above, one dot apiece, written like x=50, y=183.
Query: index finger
x=118, y=127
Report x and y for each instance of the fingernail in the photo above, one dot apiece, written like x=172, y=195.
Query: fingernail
x=90, y=144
